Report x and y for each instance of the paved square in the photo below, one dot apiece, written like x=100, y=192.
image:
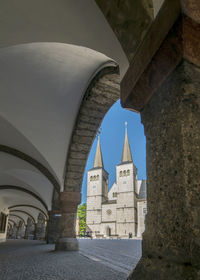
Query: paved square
x=97, y=259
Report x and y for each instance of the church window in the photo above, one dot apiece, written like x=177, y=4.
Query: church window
x=91, y=178
x=124, y=173
x=128, y=172
x=114, y=194
x=120, y=174
x=144, y=211
x=97, y=177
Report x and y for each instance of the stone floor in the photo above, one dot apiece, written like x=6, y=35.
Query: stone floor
x=97, y=260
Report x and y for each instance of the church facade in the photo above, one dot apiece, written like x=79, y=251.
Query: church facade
x=120, y=211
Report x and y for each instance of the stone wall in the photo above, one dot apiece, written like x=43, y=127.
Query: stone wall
x=103, y=92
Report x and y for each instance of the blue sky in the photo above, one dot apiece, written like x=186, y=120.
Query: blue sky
x=112, y=137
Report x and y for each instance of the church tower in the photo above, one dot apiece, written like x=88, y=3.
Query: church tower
x=126, y=174
x=97, y=192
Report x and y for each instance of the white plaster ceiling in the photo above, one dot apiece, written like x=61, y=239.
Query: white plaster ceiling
x=14, y=197
x=17, y=172
x=32, y=211
x=41, y=88
x=78, y=22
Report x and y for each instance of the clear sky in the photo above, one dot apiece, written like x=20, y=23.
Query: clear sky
x=112, y=138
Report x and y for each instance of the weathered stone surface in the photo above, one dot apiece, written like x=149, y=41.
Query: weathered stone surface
x=171, y=120
x=97, y=101
x=67, y=238
x=192, y=9
x=157, y=32
x=53, y=226
x=129, y=21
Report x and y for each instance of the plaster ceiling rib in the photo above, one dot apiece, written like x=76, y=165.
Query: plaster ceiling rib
x=32, y=161
x=7, y=187
x=24, y=212
x=17, y=216
x=29, y=206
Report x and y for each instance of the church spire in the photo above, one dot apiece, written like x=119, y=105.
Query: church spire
x=98, y=160
x=126, y=154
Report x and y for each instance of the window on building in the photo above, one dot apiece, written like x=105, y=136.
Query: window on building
x=124, y=173
x=120, y=173
x=128, y=172
x=97, y=177
x=114, y=194
x=3, y=220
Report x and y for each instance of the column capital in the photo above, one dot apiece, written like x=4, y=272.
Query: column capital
x=191, y=8
x=179, y=40
x=69, y=201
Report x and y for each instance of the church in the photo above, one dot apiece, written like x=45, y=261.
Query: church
x=118, y=212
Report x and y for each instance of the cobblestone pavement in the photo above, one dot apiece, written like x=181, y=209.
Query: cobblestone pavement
x=35, y=260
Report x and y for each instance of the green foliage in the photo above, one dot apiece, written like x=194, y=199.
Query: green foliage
x=81, y=214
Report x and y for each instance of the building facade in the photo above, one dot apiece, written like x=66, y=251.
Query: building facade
x=119, y=212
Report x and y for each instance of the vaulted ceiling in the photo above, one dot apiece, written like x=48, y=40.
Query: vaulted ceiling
x=49, y=53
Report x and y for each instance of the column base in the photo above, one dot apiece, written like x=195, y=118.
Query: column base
x=67, y=244
x=159, y=269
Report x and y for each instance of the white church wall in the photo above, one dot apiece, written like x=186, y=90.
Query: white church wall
x=108, y=212
x=108, y=229
x=112, y=194
x=142, y=211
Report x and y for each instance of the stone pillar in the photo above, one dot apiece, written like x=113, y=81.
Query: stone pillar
x=41, y=227
x=53, y=226
x=25, y=232
x=171, y=247
x=35, y=231
x=69, y=202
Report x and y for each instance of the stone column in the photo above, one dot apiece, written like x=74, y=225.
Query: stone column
x=53, y=226
x=25, y=232
x=35, y=231
x=171, y=247
x=69, y=202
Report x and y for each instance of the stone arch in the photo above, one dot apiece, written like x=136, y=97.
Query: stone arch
x=102, y=93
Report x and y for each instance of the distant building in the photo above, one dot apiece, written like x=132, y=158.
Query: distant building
x=119, y=212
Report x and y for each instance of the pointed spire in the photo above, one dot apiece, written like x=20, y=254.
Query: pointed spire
x=126, y=154
x=98, y=160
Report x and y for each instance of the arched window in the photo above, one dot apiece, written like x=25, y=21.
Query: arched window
x=124, y=173
x=128, y=172
x=97, y=177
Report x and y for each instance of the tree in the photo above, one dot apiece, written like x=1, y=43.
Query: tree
x=81, y=214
